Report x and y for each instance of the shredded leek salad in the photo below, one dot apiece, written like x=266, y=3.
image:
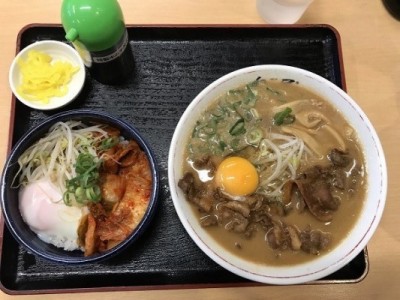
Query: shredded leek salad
x=68, y=157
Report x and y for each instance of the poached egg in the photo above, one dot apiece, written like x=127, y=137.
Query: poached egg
x=43, y=209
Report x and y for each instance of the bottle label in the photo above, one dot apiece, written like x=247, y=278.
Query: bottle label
x=112, y=53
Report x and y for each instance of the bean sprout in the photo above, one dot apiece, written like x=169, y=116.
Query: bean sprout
x=53, y=157
x=278, y=160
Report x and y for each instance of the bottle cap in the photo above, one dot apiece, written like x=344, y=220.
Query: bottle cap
x=72, y=35
x=97, y=24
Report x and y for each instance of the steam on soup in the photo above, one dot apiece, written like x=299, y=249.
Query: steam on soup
x=274, y=173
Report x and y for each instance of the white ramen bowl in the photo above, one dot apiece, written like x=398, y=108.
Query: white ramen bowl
x=372, y=209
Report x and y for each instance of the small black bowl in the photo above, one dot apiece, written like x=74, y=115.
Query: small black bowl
x=9, y=195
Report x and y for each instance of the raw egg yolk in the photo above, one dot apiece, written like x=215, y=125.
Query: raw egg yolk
x=237, y=176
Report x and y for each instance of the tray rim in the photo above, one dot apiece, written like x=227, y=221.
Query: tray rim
x=171, y=286
x=176, y=286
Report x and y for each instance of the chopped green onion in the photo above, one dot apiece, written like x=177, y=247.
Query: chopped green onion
x=209, y=130
x=254, y=137
x=84, y=187
x=251, y=97
x=108, y=143
x=218, y=112
x=245, y=113
x=235, y=144
x=235, y=92
x=254, y=113
x=284, y=117
x=219, y=130
x=273, y=91
x=278, y=94
x=255, y=82
x=237, y=128
x=222, y=145
x=287, y=80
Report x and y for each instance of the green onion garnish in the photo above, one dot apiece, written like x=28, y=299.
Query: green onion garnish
x=84, y=188
x=108, y=143
x=238, y=128
x=284, y=117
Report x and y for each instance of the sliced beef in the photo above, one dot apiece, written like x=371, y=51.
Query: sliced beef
x=319, y=199
x=238, y=224
x=254, y=201
x=338, y=178
x=233, y=220
x=205, y=163
x=209, y=220
x=187, y=183
x=219, y=196
x=292, y=198
x=251, y=228
x=263, y=219
x=294, y=234
x=276, y=208
x=313, y=241
x=283, y=237
x=339, y=158
x=311, y=190
x=317, y=196
x=200, y=195
x=315, y=187
x=203, y=199
x=276, y=238
x=312, y=173
x=239, y=207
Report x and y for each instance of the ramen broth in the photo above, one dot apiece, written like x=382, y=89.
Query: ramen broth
x=255, y=248
x=320, y=128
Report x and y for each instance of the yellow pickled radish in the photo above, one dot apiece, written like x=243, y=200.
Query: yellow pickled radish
x=42, y=78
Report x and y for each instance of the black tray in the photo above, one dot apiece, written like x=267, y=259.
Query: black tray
x=172, y=65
